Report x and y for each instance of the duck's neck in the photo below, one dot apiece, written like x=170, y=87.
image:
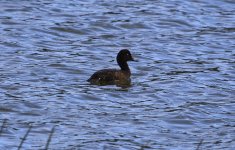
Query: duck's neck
x=124, y=66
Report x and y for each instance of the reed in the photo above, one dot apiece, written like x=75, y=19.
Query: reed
x=3, y=125
x=199, y=144
x=49, y=138
x=24, y=138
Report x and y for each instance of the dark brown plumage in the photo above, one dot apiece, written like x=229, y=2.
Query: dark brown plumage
x=111, y=76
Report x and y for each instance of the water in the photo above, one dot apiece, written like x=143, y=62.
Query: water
x=183, y=85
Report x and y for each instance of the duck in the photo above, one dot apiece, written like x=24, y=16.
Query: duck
x=113, y=76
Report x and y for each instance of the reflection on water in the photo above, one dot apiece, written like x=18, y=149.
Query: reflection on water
x=182, y=90
x=119, y=83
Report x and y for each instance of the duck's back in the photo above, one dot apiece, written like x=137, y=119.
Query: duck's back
x=108, y=76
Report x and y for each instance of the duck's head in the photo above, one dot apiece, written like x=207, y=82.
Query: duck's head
x=124, y=55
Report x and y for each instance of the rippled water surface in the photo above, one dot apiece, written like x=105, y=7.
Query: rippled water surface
x=183, y=86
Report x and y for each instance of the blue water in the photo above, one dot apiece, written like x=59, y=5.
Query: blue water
x=182, y=95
